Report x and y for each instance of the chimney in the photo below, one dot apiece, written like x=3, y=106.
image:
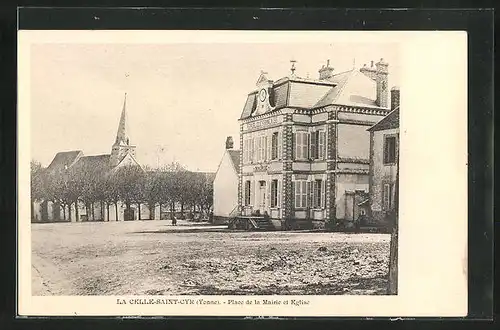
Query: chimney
x=229, y=142
x=381, y=79
x=394, y=97
x=370, y=72
x=325, y=72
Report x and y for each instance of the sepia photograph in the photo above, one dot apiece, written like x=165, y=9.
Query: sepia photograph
x=211, y=169
x=190, y=167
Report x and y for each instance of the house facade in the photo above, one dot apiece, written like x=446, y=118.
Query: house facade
x=384, y=164
x=305, y=148
x=226, y=185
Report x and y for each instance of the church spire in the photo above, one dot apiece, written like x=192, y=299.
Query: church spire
x=122, y=145
x=122, y=133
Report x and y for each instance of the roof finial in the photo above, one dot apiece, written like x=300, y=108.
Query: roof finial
x=293, y=66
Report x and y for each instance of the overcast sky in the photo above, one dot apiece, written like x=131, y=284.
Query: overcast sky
x=186, y=98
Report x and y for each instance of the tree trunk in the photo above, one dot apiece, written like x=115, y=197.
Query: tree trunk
x=64, y=211
x=69, y=211
x=107, y=210
x=87, y=211
x=93, y=213
x=139, y=211
x=32, y=210
x=76, y=210
x=116, y=211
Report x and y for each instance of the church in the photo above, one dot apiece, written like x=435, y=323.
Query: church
x=305, y=148
x=122, y=154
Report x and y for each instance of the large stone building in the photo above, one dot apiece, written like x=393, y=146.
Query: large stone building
x=305, y=145
x=122, y=154
x=384, y=164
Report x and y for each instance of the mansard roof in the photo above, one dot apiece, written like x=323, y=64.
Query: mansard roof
x=350, y=88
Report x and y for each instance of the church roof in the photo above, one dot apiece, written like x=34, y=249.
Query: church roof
x=63, y=160
x=94, y=162
x=352, y=88
x=390, y=121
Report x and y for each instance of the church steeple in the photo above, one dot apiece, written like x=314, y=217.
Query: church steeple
x=122, y=146
x=122, y=133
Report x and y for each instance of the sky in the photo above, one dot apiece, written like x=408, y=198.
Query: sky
x=184, y=99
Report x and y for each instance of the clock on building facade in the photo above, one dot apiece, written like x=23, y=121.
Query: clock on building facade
x=262, y=95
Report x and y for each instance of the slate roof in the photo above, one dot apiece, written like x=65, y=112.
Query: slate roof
x=63, y=159
x=351, y=87
x=235, y=158
x=388, y=122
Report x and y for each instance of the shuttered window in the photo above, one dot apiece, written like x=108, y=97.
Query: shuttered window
x=390, y=150
x=319, y=194
x=274, y=193
x=321, y=145
x=274, y=146
x=387, y=197
x=300, y=194
x=247, y=193
x=301, y=141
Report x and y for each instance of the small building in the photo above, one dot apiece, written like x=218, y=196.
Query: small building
x=305, y=145
x=384, y=164
x=226, y=185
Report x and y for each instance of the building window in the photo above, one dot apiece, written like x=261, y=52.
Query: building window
x=321, y=145
x=387, y=197
x=247, y=193
x=300, y=194
x=262, y=149
x=301, y=145
x=274, y=146
x=319, y=195
x=317, y=145
x=274, y=193
x=390, y=150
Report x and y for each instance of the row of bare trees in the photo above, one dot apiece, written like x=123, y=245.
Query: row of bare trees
x=170, y=187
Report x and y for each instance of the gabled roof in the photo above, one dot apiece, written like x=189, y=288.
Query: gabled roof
x=235, y=159
x=388, y=122
x=64, y=160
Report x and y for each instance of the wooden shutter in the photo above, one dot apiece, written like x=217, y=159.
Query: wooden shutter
x=294, y=193
x=385, y=196
x=294, y=145
x=323, y=190
x=312, y=145
x=310, y=193
x=280, y=142
x=321, y=143
x=278, y=194
x=252, y=192
x=315, y=202
x=269, y=147
x=268, y=193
